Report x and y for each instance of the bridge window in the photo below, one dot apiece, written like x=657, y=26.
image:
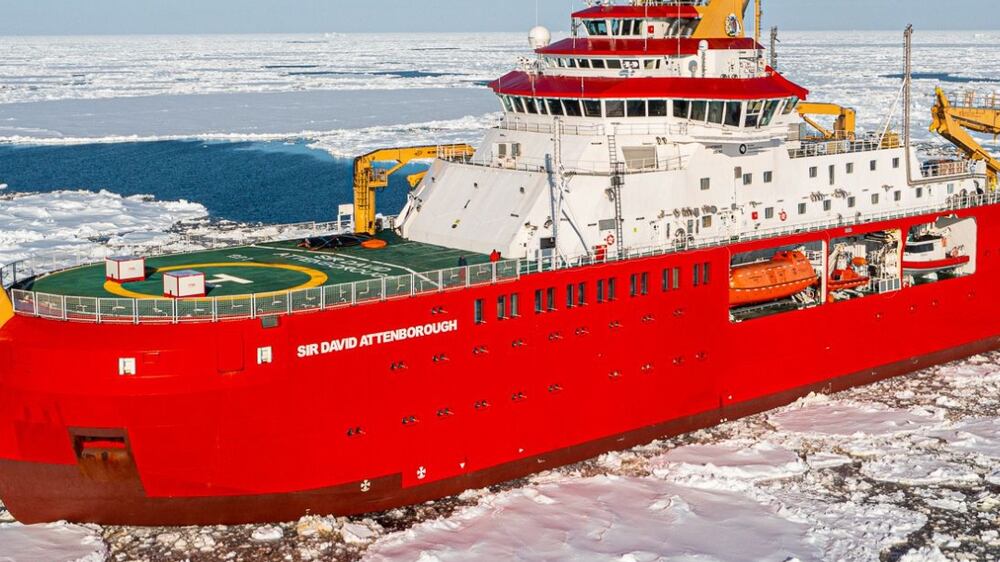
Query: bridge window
x=597, y=27
x=754, y=109
x=636, y=108
x=734, y=110
x=657, y=108
x=790, y=105
x=592, y=108
x=769, y=111
x=572, y=108
x=706, y=184
x=699, y=110
x=583, y=63
x=529, y=104
x=614, y=108
x=506, y=103
x=555, y=107
x=597, y=63
x=682, y=108
x=614, y=64
x=716, y=111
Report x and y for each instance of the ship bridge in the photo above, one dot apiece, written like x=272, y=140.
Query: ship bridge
x=655, y=124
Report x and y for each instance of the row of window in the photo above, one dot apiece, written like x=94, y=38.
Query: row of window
x=576, y=294
x=751, y=114
x=604, y=64
x=617, y=27
x=876, y=198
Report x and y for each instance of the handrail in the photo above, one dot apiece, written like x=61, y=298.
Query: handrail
x=214, y=309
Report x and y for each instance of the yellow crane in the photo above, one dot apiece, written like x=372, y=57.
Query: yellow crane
x=954, y=121
x=368, y=179
x=844, y=126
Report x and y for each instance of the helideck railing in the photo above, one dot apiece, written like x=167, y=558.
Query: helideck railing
x=213, y=309
x=241, y=307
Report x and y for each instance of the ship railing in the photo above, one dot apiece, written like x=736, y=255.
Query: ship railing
x=11, y=273
x=241, y=307
x=824, y=148
x=214, y=309
x=956, y=168
x=612, y=254
x=624, y=129
x=580, y=167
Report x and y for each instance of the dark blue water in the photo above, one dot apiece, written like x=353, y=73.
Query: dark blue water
x=271, y=182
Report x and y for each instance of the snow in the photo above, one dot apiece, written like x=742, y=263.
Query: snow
x=58, y=541
x=267, y=534
x=919, y=470
x=606, y=517
x=846, y=419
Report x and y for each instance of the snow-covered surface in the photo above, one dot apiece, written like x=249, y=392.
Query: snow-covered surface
x=56, y=542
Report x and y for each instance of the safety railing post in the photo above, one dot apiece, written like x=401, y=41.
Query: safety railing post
x=253, y=307
x=288, y=303
x=494, y=272
x=215, y=310
x=440, y=280
x=173, y=311
x=62, y=301
x=135, y=311
x=383, y=289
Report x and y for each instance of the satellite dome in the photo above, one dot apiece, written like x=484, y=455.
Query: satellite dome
x=539, y=37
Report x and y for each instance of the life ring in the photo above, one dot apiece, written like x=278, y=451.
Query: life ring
x=783, y=216
x=610, y=240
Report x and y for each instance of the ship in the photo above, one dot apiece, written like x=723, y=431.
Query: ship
x=659, y=235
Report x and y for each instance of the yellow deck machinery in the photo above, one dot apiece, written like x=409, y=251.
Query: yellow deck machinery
x=368, y=179
x=954, y=122
x=843, y=127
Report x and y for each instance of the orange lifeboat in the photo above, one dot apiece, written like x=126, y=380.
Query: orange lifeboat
x=786, y=274
x=842, y=279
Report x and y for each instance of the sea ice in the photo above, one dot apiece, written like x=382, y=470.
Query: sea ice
x=57, y=541
x=603, y=518
x=845, y=419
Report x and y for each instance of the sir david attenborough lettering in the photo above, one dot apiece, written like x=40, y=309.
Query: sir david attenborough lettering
x=355, y=342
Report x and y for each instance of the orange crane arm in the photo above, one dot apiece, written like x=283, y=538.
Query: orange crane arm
x=844, y=127
x=368, y=179
x=954, y=122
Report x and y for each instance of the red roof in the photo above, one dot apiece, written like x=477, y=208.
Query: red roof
x=660, y=12
x=625, y=47
x=520, y=83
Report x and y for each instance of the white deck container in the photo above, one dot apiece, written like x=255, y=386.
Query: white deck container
x=181, y=284
x=124, y=269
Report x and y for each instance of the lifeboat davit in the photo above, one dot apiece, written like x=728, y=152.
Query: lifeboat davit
x=786, y=274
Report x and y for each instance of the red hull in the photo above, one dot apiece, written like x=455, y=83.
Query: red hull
x=209, y=436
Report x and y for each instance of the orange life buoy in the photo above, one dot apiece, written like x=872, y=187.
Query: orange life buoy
x=610, y=239
x=783, y=216
x=374, y=244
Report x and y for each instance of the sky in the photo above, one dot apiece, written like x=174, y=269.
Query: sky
x=96, y=17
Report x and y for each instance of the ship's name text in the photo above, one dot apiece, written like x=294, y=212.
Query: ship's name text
x=354, y=342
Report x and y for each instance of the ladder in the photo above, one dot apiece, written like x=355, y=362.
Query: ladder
x=617, y=174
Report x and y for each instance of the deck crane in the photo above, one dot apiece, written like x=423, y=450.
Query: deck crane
x=844, y=126
x=954, y=121
x=368, y=179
